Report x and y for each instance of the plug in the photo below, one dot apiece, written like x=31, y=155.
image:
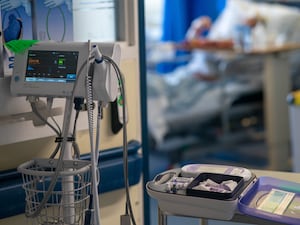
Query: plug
x=78, y=102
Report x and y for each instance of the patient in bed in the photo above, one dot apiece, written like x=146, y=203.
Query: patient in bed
x=192, y=93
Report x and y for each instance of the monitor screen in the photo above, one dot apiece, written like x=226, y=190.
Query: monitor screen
x=51, y=66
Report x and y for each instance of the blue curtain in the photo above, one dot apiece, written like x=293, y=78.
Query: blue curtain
x=178, y=15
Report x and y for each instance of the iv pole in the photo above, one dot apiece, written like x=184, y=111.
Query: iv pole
x=66, y=148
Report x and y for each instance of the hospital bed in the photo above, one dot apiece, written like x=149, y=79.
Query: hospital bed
x=172, y=115
x=204, y=109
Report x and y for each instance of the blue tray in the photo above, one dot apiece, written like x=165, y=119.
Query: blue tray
x=253, y=198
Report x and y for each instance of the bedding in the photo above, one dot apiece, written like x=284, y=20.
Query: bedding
x=179, y=100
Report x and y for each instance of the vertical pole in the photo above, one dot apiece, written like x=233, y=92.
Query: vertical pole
x=33, y=19
x=162, y=218
x=277, y=85
x=203, y=221
x=68, y=181
x=1, y=48
x=223, y=99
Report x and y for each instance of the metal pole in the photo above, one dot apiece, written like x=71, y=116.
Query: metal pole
x=68, y=181
x=162, y=218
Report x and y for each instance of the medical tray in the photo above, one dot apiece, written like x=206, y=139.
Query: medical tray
x=265, y=197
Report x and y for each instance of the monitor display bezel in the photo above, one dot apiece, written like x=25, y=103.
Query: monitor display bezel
x=22, y=87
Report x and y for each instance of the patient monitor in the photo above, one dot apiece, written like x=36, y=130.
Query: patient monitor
x=52, y=69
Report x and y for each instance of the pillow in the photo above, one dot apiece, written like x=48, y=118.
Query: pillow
x=282, y=22
x=234, y=13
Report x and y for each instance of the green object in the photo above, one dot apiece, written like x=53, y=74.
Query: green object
x=19, y=46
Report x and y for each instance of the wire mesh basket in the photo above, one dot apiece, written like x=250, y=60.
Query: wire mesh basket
x=57, y=192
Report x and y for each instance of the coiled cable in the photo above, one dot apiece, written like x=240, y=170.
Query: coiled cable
x=94, y=159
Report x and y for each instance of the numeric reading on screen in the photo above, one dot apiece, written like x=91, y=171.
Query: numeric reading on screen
x=51, y=66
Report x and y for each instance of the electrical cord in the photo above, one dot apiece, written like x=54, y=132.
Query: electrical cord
x=128, y=207
x=57, y=131
x=54, y=177
x=95, y=178
x=99, y=118
x=36, y=112
x=64, y=22
x=74, y=143
x=94, y=201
